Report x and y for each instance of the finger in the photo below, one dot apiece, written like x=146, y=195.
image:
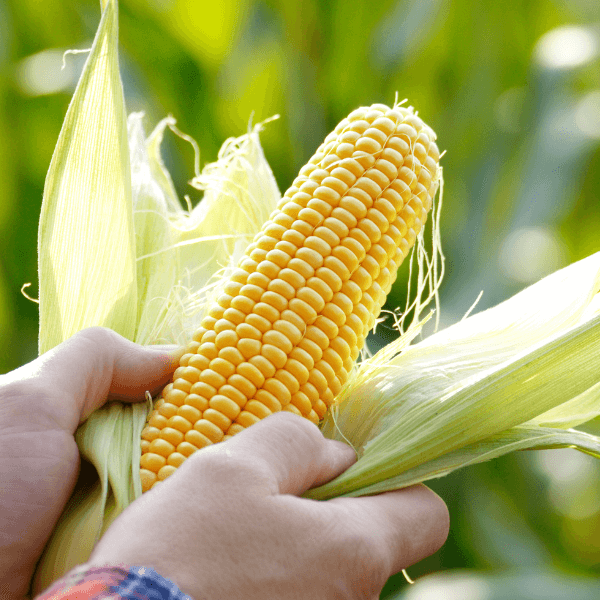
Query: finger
x=404, y=526
x=138, y=369
x=290, y=452
x=94, y=365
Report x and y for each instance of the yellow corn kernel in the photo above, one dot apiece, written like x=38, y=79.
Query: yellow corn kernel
x=292, y=319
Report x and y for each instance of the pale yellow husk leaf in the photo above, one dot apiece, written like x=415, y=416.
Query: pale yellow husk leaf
x=86, y=251
x=531, y=364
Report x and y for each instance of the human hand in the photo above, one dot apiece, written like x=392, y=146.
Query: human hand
x=229, y=523
x=41, y=405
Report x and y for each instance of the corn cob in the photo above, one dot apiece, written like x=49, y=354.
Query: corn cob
x=295, y=313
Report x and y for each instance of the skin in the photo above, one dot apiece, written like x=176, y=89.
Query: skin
x=234, y=525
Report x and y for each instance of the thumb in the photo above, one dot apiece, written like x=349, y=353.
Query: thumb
x=93, y=366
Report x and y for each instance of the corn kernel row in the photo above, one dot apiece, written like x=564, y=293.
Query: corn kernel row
x=294, y=315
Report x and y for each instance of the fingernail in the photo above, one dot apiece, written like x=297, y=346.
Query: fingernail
x=175, y=356
x=169, y=356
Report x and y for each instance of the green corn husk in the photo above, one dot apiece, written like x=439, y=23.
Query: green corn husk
x=117, y=249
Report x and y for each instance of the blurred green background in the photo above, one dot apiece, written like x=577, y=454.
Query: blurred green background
x=513, y=92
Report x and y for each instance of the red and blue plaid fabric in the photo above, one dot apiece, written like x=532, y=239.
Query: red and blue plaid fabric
x=113, y=583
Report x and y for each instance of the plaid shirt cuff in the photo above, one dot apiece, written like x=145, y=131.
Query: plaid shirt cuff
x=113, y=583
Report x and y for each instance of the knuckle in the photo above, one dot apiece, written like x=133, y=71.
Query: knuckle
x=436, y=516
x=97, y=338
x=434, y=525
x=97, y=334
x=288, y=420
x=221, y=467
x=441, y=519
x=106, y=345
x=292, y=427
